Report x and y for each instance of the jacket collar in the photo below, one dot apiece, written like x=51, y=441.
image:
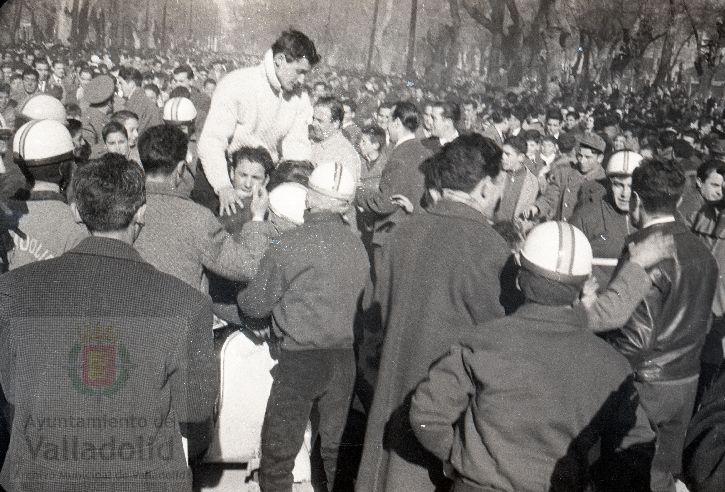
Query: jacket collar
x=449, y=208
x=155, y=188
x=674, y=227
x=557, y=318
x=110, y=248
x=322, y=217
x=268, y=64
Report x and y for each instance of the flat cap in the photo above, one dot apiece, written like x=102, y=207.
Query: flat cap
x=591, y=140
x=100, y=89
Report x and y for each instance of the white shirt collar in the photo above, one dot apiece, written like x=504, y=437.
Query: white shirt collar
x=661, y=220
x=447, y=140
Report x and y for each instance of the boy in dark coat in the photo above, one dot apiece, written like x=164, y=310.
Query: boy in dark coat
x=310, y=281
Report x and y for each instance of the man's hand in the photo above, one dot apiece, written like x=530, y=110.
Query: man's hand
x=589, y=292
x=652, y=250
x=530, y=213
x=260, y=202
x=228, y=200
x=403, y=202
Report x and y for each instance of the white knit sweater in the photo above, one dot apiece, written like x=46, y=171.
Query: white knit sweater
x=249, y=108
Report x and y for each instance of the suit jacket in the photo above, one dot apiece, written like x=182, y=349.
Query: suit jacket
x=101, y=356
x=400, y=176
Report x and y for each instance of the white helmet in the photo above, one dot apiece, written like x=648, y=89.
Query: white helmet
x=288, y=201
x=44, y=107
x=623, y=162
x=557, y=251
x=179, y=111
x=41, y=142
x=333, y=180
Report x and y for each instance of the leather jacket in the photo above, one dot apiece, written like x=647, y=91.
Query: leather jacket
x=665, y=334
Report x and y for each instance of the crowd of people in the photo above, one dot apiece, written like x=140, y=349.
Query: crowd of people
x=514, y=289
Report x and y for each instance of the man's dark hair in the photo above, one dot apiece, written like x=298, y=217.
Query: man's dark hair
x=108, y=192
x=336, y=110
x=708, y=167
x=161, y=148
x=209, y=81
x=153, y=88
x=553, y=114
x=73, y=110
x=185, y=69
x=130, y=74
x=572, y=113
x=180, y=91
x=295, y=46
x=451, y=109
x=123, y=116
x=533, y=135
x=41, y=60
x=659, y=184
x=87, y=70
x=31, y=71
x=113, y=127
x=407, y=113
x=260, y=155
x=57, y=61
x=376, y=135
x=74, y=127
x=462, y=163
x=517, y=142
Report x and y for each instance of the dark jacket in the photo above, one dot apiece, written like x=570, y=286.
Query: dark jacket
x=401, y=176
x=605, y=227
x=101, y=356
x=519, y=405
x=310, y=281
x=439, y=279
x=664, y=337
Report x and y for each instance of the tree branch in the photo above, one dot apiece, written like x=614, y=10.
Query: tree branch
x=476, y=12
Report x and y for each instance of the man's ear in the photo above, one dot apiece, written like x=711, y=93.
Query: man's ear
x=76, y=213
x=278, y=59
x=140, y=214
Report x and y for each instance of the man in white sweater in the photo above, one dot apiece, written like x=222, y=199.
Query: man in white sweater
x=262, y=106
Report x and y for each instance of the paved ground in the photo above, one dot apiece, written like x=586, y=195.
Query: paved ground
x=223, y=478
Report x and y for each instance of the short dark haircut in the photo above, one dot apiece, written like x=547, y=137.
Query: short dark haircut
x=86, y=70
x=572, y=113
x=180, y=91
x=130, y=74
x=209, y=81
x=517, y=142
x=161, y=148
x=462, y=163
x=73, y=110
x=57, y=61
x=113, y=127
x=336, y=110
x=185, y=69
x=30, y=71
x=375, y=133
x=708, y=167
x=451, y=109
x=553, y=114
x=259, y=155
x=153, y=88
x=533, y=135
x=407, y=113
x=295, y=46
x=108, y=192
x=41, y=60
x=659, y=184
x=123, y=116
x=74, y=127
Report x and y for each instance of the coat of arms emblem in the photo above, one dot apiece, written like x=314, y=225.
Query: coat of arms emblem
x=99, y=363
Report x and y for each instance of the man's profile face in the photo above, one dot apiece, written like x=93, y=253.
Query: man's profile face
x=322, y=125
x=382, y=116
x=291, y=74
x=439, y=123
x=59, y=70
x=131, y=125
x=711, y=188
x=571, y=122
x=428, y=117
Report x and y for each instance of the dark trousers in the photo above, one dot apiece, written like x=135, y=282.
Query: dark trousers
x=669, y=408
x=303, y=380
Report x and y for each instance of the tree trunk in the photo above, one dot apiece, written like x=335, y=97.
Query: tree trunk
x=410, y=65
x=163, y=25
x=667, y=48
x=455, y=46
x=371, y=46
